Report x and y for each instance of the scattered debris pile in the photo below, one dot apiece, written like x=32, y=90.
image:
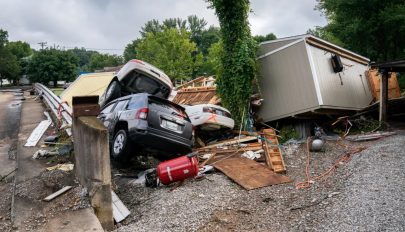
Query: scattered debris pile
x=252, y=160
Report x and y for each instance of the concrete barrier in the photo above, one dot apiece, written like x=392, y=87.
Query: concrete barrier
x=92, y=164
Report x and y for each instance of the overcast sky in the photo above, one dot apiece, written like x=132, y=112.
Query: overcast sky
x=108, y=25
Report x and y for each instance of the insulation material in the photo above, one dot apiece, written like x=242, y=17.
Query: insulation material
x=39, y=131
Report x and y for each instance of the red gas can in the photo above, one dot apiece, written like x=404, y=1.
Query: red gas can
x=177, y=169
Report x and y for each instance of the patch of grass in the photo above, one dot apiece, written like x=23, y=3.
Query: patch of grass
x=57, y=91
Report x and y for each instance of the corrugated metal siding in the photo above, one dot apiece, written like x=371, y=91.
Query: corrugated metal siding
x=353, y=94
x=286, y=83
x=265, y=48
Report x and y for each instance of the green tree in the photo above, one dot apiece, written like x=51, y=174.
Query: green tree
x=19, y=49
x=213, y=65
x=99, y=61
x=53, y=65
x=373, y=28
x=208, y=37
x=22, y=51
x=172, y=51
x=84, y=58
x=151, y=26
x=322, y=33
x=9, y=66
x=197, y=31
x=178, y=23
x=262, y=38
x=234, y=82
x=130, y=51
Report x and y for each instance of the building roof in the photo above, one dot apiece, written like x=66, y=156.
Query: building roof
x=317, y=42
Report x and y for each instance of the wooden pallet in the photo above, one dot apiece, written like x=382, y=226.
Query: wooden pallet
x=274, y=158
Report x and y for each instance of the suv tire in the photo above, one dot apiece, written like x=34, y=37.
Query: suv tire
x=119, y=148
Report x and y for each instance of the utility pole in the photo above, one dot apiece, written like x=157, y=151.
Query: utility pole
x=43, y=44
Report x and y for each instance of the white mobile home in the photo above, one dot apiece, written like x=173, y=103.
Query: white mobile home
x=305, y=74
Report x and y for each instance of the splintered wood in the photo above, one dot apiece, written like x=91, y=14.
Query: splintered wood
x=272, y=152
x=249, y=174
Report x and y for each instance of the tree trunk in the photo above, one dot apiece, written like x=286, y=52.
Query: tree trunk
x=55, y=83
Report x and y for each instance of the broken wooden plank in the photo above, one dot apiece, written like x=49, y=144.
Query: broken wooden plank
x=256, y=147
x=120, y=211
x=244, y=133
x=57, y=193
x=248, y=173
x=232, y=141
x=368, y=137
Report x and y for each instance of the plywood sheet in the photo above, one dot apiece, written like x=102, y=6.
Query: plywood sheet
x=249, y=174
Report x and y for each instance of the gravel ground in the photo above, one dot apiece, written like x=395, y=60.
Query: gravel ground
x=373, y=199
x=365, y=194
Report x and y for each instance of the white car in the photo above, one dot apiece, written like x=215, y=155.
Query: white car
x=209, y=117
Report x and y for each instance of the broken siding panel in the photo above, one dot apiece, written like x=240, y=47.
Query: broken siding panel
x=286, y=83
x=353, y=94
x=268, y=47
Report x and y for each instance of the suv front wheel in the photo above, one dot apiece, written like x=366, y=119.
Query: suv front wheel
x=120, y=145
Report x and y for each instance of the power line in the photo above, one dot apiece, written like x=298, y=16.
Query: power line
x=43, y=44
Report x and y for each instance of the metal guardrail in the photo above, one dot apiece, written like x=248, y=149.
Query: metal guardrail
x=60, y=109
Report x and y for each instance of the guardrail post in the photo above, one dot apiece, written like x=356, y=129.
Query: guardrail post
x=92, y=157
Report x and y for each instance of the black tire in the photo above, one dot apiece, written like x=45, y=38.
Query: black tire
x=120, y=146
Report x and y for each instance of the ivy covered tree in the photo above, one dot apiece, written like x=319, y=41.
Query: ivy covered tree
x=234, y=81
x=52, y=65
x=172, y=51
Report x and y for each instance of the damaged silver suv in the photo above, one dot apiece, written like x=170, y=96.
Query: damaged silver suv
x=144, y=122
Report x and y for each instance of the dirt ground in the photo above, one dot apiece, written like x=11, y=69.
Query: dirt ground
x=344, y=201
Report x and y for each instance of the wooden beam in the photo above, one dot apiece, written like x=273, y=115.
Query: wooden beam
x=231, y=142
